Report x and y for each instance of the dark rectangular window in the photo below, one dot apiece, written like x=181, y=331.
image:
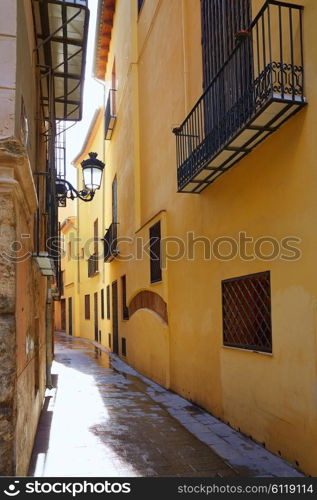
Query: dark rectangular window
x=87, y=306
x=246, y=308
x=108, y=302
x=123, y=346
x=125, y=310
x=140, y=3
x=155, y=252
x=102, y=299
x=61, y=283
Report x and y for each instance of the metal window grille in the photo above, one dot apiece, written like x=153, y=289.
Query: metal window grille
x=155, y=253
x=93, y=265
x=110, y=242
x=246, y=307
x=87, y=306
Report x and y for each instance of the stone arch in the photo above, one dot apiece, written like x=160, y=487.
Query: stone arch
x=149, y=300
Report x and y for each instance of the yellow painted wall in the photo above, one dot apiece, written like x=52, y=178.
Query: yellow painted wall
x=270, y=192
x=69, y=259
x=87, y=214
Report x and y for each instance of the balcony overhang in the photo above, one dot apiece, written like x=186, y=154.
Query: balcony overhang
x=110, y=115
x=110, y=243
x=110, y=126
x=45, y=264
x=62, y=32
x=204, y=166
x=242, y=107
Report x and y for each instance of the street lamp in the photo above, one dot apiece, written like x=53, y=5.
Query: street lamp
x=92, y=176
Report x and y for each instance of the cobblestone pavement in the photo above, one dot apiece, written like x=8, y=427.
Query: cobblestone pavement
x=104, y=419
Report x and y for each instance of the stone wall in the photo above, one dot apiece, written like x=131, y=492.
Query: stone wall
x=23, y=295
x=7, y=336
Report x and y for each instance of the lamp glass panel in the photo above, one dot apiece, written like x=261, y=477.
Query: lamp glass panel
x=92, y=178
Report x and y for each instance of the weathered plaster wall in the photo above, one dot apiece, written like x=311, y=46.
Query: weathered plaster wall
x=22, y=314
x=8, y=30
x=7, y=333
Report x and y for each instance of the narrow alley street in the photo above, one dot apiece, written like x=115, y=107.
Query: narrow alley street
x=102, y=418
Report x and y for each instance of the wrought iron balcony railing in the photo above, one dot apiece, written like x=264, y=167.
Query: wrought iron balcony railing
x=93, y=265
x=81, y=3
x=260, y=86
x=110, y=243
x=110, y=114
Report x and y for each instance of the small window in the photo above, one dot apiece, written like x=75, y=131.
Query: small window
x=102, y=299
x=123, y=346
x=140, y=3
x=87, y=306
x=246, y=307
x=155, y=253
x=125, y=310
x=108, y=302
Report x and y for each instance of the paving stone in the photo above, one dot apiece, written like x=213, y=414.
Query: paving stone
x=106, y=420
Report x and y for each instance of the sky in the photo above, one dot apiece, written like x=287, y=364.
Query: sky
x=93, y=98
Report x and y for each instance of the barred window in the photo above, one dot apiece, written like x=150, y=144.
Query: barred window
x=246, y=307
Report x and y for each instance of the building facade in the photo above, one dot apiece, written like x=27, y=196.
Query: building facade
x=208, y=207
x=31, y=104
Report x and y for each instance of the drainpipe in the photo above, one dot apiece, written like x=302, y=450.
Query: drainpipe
x=185, y=52
x=48, y=334
x=104, y=160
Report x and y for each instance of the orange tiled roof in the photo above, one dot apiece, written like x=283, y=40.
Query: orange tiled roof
x=104, y=36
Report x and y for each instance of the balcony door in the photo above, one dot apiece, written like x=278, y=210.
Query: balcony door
x=230, y=100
